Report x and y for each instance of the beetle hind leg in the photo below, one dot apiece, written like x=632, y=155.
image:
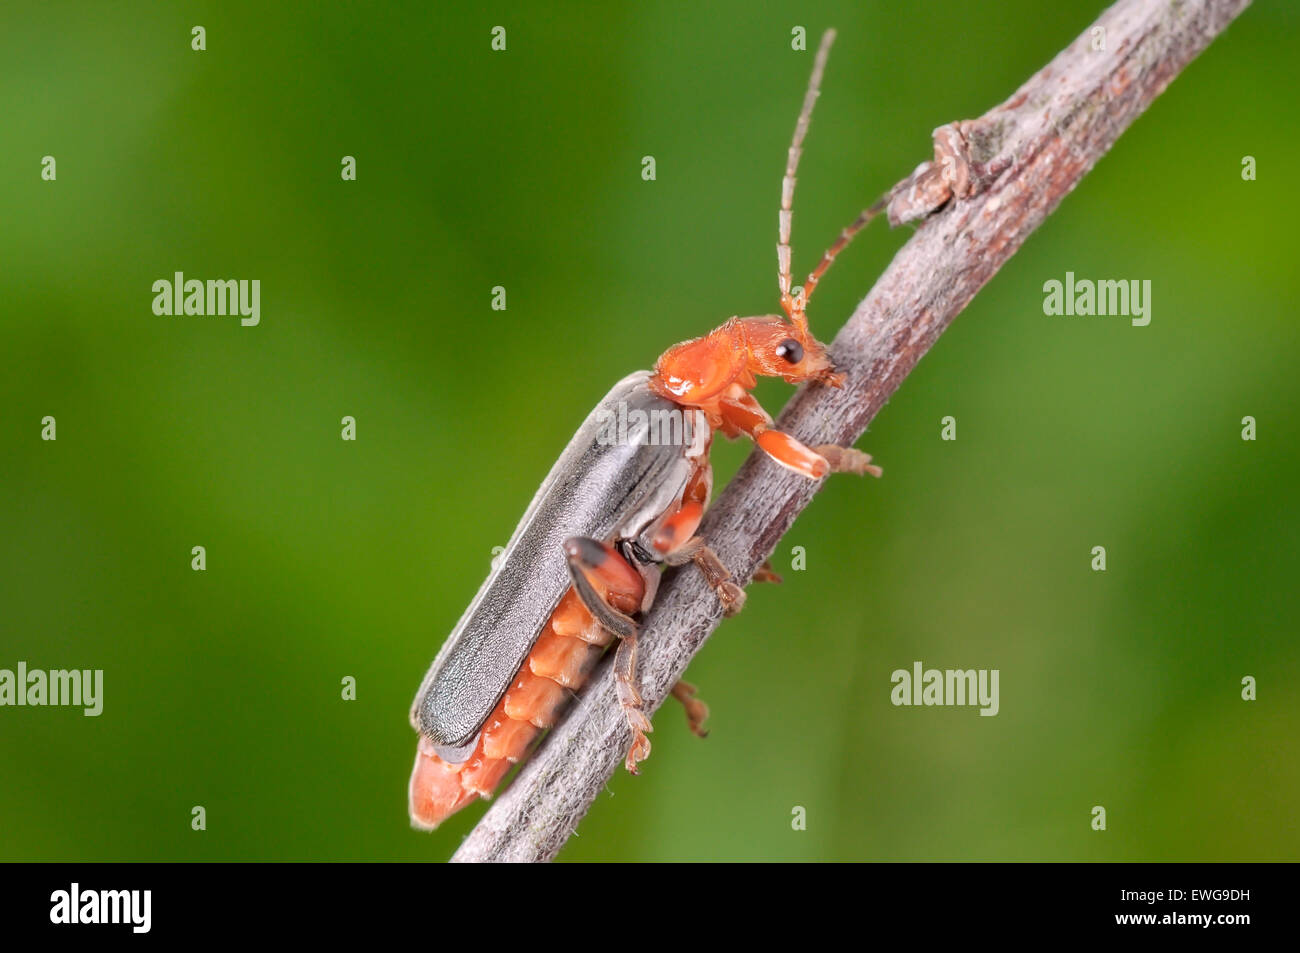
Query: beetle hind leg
x=629, y=698
x=697, y=713
x=610, y=588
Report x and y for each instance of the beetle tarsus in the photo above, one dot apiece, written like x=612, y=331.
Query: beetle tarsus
x=697, y=712
x=719, y=579
x=732, y=597
x=639, y=751
x=847, y=460
x=765, y=573
x=716, y=575
x=629, y=698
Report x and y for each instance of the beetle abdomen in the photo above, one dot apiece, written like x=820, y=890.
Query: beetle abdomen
x=558, y=664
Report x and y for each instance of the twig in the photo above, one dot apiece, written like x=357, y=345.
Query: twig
x=992, y=182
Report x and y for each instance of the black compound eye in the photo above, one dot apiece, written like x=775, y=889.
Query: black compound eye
x=791, y=350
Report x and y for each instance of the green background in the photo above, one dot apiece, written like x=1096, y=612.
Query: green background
x=522, y=169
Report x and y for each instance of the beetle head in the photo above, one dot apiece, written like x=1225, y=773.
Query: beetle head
x=777, y=348
x=697, y=372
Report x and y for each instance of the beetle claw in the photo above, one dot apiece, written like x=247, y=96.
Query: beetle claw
x=639, y=751
x=732, y=596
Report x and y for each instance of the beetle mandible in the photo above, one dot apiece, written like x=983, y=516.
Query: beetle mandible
x=621, y=501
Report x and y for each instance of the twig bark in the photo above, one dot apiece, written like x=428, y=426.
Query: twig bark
x=992, y=182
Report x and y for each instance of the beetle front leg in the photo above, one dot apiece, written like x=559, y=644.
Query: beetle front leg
x=847, y=460
x=815, y=462
x=743, y=413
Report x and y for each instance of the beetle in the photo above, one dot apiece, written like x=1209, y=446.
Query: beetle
x=624, y=499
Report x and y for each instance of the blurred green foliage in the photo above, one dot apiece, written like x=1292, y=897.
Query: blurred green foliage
x=522, y=169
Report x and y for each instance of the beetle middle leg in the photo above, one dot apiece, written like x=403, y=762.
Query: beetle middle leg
x=715, y=573
x=677, y=545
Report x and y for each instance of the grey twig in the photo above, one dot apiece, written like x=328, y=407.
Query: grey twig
x=993, y=181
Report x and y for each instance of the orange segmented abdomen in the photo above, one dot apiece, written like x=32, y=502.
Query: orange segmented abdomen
x=559, y=663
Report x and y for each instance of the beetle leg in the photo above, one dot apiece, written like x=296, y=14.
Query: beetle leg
x=607, y=584
x=716, y=575
x=825, y=459
x=765, y=573
x=744, y=413
x=696, y=711
x=629, y=698
x=847, y=460
x=678, y=528
x=792, y=454
x=719, y=578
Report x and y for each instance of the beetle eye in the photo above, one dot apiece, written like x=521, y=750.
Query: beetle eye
x=791, y=350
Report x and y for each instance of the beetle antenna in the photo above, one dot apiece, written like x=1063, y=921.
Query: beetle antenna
x=801, y=295
x=791, y=165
